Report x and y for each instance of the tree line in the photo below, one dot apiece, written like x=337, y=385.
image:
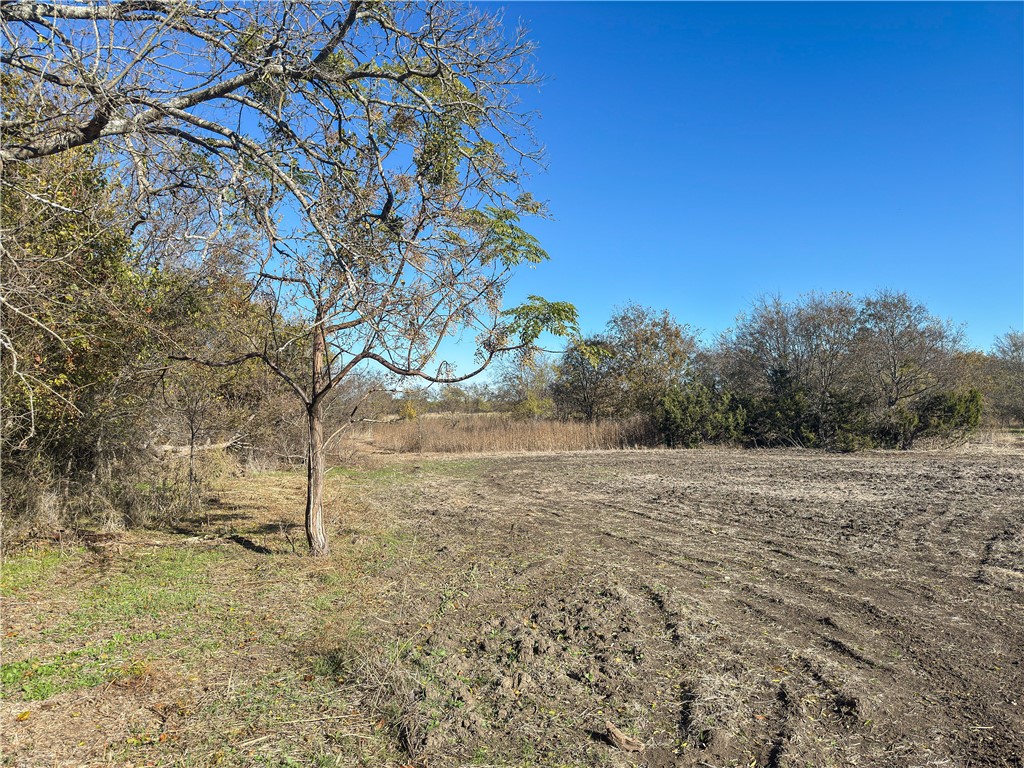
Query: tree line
x=826, y=370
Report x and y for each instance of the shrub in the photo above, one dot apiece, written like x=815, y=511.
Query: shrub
x=695, y=414
x=781, y=417
x=950, y=415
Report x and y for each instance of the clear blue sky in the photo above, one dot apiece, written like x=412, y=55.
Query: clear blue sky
x=699, y=155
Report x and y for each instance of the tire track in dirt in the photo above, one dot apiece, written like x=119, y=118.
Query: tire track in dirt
x=808, y=582
x=784, y=607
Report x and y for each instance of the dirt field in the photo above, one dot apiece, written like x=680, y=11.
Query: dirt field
x=719, y=607
x=748, y=608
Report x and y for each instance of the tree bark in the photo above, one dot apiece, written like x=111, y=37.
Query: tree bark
x=316, y=533
x=193, y=480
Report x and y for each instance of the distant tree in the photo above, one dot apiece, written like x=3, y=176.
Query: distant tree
x=651, y=352
x=584, y=385
x=194, y=402
x=764, y=348
x=468, y=397
x=765, y=364
x=906, y=355
x=524, y=383
x=480, y=397
x=451, y=398
x=825, y=330
x=904, y=351
x=1008, y=377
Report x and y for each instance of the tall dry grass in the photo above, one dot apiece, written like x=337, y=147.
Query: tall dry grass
x=500, y=433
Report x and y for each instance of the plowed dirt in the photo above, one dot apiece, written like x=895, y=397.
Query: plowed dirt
x=721, y=607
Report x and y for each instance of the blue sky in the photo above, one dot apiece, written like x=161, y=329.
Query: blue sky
x=699, y=155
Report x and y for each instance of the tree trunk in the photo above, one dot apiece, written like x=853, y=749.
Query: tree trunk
x=193, y=480
x=316, y=534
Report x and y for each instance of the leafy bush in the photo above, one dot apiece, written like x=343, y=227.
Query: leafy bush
x=949, y=414
x=695, y=414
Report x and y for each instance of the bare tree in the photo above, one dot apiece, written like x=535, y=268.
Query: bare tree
x=763, y=352
x=1008, y=374
x=826, y=325
x=584, y=385
x=365, y=162
x=904, y=351
x=825, y=329
x=651, y=351
x=524, y=384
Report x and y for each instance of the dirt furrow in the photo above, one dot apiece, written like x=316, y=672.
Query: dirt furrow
x=757, y=608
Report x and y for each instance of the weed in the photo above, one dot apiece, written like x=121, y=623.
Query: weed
x=481, y=756
x=27, y=571
x=338, y=664
x=39, y=679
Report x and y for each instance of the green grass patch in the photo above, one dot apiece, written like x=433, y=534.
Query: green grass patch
x=170, y=580
x=27, y=571
x=36, y=679
x=383, y=475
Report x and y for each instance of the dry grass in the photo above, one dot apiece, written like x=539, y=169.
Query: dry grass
x=997, y=436
x=489, y=433
x=212, y=644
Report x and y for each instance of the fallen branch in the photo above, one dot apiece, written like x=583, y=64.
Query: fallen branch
x=618, y=739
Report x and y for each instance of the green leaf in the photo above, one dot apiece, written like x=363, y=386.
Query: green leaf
x=506, y=241
x=538, y=315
